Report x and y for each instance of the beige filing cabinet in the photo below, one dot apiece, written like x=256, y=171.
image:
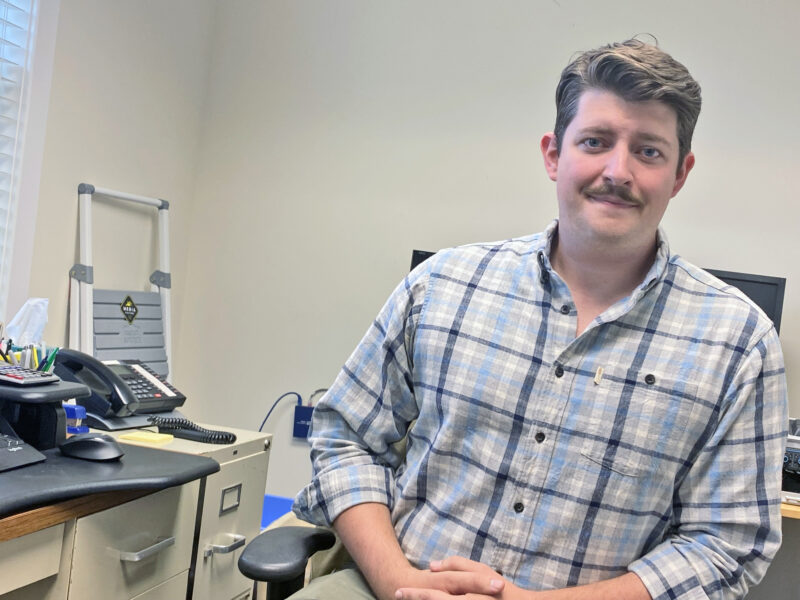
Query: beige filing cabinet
x=139, y=550
x=232, y=503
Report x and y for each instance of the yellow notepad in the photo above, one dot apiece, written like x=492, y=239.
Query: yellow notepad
x=147, y=437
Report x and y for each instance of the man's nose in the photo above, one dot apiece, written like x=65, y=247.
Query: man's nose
x=618, y=166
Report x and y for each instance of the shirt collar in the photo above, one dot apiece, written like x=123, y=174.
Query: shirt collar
x=659, y=267
x=655, y=274
x=543, y=254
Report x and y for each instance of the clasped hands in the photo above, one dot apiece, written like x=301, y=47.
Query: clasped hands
x=458, y=577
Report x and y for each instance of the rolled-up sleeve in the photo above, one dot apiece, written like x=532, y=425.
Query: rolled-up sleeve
x=357, y=425
x=726, y=519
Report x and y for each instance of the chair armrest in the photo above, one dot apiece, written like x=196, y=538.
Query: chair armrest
x=281, y=554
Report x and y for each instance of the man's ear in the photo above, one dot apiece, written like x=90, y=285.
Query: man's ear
x=549, y=148
x=683, y=173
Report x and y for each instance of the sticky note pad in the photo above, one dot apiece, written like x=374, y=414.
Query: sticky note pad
x=147, y=437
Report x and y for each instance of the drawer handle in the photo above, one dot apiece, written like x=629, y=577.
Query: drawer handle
x=238, y=542
x=147, y=552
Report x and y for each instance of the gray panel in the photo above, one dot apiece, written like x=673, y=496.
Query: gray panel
x=144, y=354
x=118, y=297
x=159, y=367
x=112, y=311
x=143, y=339
x=122, y=326
x=109, y=342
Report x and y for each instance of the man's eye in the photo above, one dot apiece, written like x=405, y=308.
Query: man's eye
x=592, y=142
x=650, y=152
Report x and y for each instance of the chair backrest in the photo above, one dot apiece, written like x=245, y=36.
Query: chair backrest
x=418, y=256
x=764, y=290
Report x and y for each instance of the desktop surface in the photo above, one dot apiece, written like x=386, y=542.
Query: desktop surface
x=62, y=478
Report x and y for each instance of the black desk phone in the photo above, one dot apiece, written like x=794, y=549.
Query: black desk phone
x=120, y=388
x=124, y=391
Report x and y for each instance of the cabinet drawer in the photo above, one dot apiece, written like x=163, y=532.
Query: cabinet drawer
x=128, y=549
x=172, y=589
x=231, y=513
x=30, y=558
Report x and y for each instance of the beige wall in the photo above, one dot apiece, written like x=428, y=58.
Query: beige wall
x=129, y=80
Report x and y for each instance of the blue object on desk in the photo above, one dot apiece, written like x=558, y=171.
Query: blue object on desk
x=274, y=507
x=76, y=419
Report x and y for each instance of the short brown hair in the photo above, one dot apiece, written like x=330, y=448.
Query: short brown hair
x=637, y=72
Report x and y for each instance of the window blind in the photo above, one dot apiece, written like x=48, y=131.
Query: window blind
x=17, y=20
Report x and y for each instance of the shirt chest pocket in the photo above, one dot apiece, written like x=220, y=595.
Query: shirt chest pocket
x=642, y=425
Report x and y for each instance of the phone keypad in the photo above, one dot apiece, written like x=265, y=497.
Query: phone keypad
x=142, y=388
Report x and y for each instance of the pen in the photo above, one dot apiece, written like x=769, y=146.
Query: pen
x=42, y=362
x=51, y=358
x=35, y=359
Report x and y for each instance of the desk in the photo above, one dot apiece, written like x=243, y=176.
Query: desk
x=51, y=508
x=36, y=519
x=61, y=478
x=791, y=511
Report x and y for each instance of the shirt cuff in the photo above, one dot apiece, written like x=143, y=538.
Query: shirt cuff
x=330, y=494
x=667, y=574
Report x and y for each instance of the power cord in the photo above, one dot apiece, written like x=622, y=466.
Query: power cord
x=299, y=403
x=314, y=394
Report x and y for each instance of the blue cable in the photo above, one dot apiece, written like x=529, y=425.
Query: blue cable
x=299, y=402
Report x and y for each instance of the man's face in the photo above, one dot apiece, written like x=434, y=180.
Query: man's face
x=617, y=169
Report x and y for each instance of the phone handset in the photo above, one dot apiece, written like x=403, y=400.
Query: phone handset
x=111, y=396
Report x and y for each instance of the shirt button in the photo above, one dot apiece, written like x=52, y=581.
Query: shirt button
x=519, y=507
x=559, y=370
x=539, y=437
x=565, y=309
x=649, y=379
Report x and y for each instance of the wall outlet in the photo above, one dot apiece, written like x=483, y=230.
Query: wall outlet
x=302, y=421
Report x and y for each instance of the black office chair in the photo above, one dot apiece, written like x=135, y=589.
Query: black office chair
x=279, y=557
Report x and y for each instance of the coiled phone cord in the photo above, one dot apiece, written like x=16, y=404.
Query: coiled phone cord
x=184, y=428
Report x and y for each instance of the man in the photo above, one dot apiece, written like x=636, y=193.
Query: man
x=593, y=417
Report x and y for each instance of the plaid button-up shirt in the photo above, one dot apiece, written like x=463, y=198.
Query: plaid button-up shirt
x=651, y=443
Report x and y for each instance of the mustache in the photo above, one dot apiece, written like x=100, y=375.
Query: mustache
x=609, y=189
